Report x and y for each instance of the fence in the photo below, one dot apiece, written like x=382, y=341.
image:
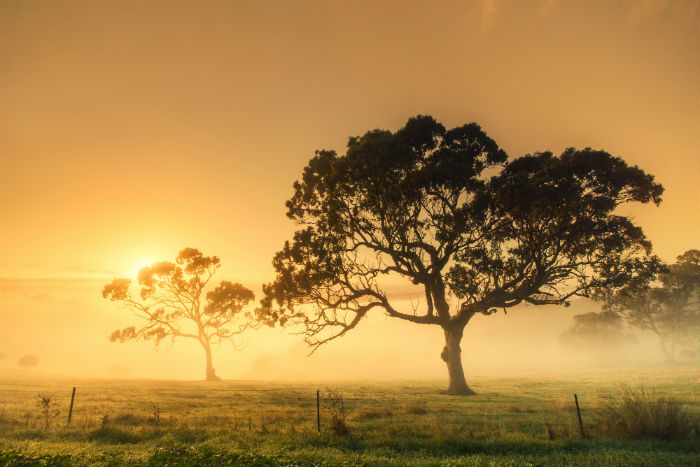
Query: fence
x=264, y=408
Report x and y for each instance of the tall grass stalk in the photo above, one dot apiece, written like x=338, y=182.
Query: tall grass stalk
x=642, y=414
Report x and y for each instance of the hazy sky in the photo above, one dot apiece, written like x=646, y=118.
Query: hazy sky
x=132, y=129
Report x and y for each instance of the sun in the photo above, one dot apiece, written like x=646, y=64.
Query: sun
x=138, y=265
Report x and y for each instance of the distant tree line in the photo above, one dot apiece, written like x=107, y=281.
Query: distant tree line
x=668, y=305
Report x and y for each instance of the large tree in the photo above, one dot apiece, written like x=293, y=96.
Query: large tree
x=668, y=306
x=445, y=211
x=169, y=304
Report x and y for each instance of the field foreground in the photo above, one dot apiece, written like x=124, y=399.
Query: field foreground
x=519, y=421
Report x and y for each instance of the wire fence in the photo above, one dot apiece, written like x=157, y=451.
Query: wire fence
x=226, y=406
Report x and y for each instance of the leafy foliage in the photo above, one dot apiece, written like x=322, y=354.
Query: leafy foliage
x=444, y=211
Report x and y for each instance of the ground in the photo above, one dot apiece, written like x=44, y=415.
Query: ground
x=515, y=420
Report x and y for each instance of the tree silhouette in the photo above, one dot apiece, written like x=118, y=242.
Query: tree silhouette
x=444, y=211
x=28, y=361
x=668, y=307
x=596, y=331
x=169, y=304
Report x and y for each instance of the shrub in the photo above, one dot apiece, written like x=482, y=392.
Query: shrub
x=47, y=405
x=336, y=407
x=644, y=415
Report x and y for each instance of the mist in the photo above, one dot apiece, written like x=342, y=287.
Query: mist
x=66, y=323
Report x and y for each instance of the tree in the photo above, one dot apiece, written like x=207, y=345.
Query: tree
x=444, y=210
x=668, y=306
x=28, y=361
x=597, y=331
x=169, y=304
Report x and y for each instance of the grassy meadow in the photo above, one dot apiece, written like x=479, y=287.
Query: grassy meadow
x=520, y=420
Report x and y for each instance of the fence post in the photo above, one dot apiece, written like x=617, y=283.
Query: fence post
x=318, y=410
x=578, y=412
x=70, y=410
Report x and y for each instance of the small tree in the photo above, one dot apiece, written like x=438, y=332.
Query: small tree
x=169, y=304
x=444, y=211
x=46, y=403
x=336, y=407
x=28, y=361
x=668, y=307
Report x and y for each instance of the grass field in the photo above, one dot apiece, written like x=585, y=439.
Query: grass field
x=519, y=421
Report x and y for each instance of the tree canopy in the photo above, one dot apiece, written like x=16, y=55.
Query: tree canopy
x=597, y=331
x=667, y=305
x=28, y=361
x=444, y=211
x=169, y=303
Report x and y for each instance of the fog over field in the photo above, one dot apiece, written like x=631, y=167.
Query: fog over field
x=132, y=130
x=66, y=323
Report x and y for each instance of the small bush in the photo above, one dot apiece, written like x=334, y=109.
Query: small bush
x=46, y=403
x=336, y=407
x=644, y=415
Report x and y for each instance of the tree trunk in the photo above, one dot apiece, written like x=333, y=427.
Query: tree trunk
x=452, y=356
x=210, y=373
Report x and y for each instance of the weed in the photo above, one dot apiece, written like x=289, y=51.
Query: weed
x=336, y=407
x=47, y=405
x=640, y=414
x=154, y=418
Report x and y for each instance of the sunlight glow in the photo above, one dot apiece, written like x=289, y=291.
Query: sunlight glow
x=134, y=271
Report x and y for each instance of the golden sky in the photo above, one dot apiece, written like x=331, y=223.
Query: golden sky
x=130, y=129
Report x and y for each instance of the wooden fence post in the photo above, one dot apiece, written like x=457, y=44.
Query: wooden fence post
x=318, y=410
x=578, y=412
x=70, y=410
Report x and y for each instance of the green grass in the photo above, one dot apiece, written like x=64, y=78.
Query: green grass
x=528, y=420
